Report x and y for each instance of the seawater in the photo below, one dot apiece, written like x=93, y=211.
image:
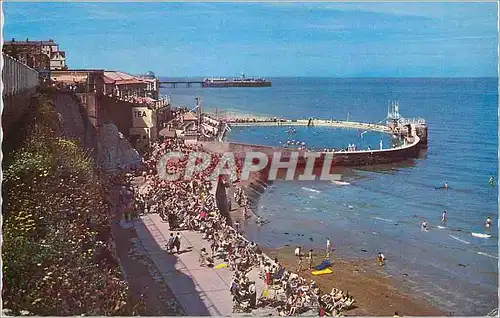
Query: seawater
x=383, y=207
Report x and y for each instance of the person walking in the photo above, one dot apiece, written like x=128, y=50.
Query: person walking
x=299, y=264
x=443, y=217
x=310, y=259
x=328, y=247
x=203, y=257
x=177, y=242
x=170, y=243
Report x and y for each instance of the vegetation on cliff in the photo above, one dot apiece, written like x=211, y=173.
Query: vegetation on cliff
x=57, y=248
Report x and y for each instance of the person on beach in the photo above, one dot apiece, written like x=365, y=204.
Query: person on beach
x=193, y=208
x=380, y=259
x=328, y=247
x=253, y=295
x=299, y=265
x=237, y=226
x=267, y=270
x=396, y=314
x=177, y=242
x=310, y=259
x=443, y=217
x=488, y=222
x=297, y=251
x=423, y=227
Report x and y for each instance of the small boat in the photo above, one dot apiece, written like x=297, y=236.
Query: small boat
x=481, y=235
x=340, y=182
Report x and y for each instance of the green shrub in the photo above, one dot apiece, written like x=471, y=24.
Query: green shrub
x=57, y=254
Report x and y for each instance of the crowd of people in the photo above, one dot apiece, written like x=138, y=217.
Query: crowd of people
x=191, y=205
x=255, y=120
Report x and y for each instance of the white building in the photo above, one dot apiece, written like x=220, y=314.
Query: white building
x=58, y=60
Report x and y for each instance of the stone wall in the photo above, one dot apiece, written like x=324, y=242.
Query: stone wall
x=19, y=85
x=17, y=77
x=344, y=159
x=14, y=107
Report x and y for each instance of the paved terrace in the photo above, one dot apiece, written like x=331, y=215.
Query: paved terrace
x=201, y=291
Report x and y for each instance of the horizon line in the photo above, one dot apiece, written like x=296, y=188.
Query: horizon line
x=339, y=77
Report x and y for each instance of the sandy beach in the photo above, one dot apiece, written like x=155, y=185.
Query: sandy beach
x=374, y=292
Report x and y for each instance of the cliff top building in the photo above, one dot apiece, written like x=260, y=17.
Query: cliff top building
x=40, y=55
x=124, y=85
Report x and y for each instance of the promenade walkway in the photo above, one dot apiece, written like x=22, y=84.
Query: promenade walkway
x=141, y=274
x=200, y=291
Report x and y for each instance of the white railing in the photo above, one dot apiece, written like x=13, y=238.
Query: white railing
x=17, y=77
x=406, y=121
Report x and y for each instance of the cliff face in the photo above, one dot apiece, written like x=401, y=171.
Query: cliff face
x=110, y=150
x=115, y=151
x=70, y=116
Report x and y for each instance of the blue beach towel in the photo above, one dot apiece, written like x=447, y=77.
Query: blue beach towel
x=326, y=263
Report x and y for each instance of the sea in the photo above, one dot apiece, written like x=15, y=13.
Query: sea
x=382, y=208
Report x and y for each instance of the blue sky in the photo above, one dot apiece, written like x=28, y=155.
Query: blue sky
x=268, y=39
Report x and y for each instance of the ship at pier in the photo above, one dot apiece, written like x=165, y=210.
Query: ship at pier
x=236, y=82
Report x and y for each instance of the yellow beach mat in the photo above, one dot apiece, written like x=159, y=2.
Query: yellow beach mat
x=221, y=265
x=323, y=271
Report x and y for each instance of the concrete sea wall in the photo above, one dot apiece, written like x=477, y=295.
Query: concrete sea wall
x=19, y=85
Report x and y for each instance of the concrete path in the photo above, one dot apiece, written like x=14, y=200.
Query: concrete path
x=201, y=291
x=139, y=271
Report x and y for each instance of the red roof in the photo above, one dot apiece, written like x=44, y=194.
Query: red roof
x=108, y=80
x=129, y=81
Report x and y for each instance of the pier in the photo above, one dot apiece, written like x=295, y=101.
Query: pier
x=174, y=84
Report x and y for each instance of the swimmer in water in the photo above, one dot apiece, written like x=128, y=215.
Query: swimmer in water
x=446, y=185
x=380, y=259
x=488, y=222
x=423, y=227
x=443, y=217
x=492, y=181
